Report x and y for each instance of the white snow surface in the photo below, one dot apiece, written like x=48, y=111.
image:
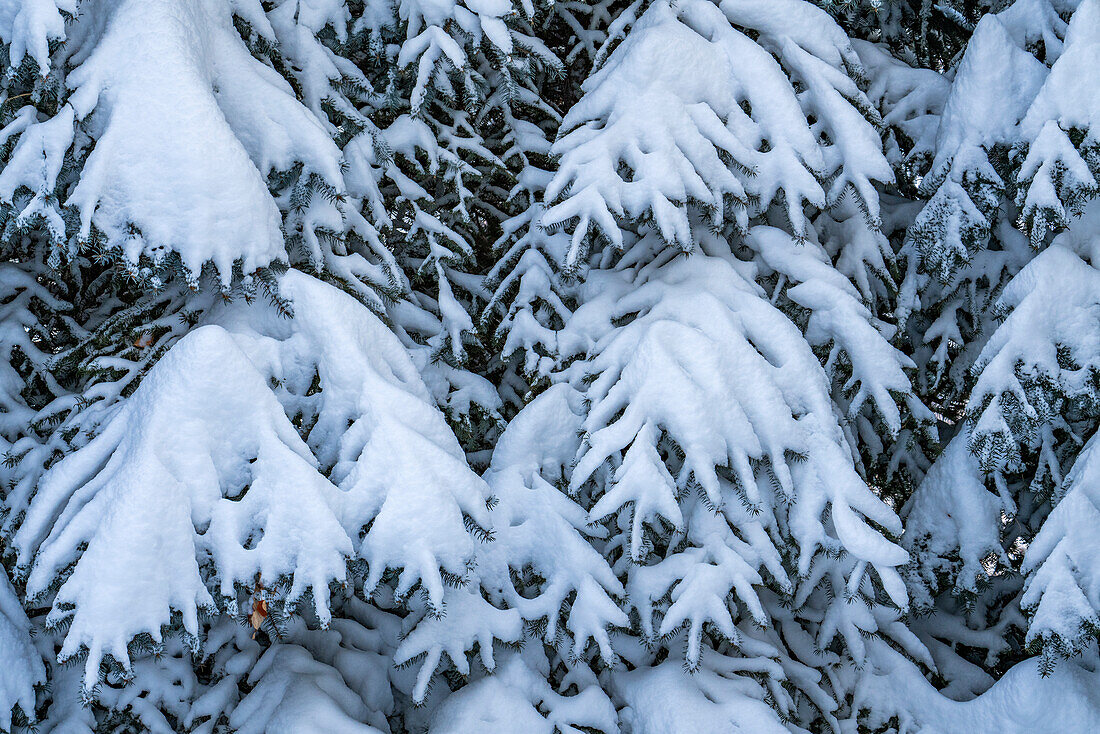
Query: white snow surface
x=1067, y=97
x=707, y=362
x=951, y=513
x=21, y=666
x=912, y=98
x=516, y=699
x=666, y=699
x=536, y=527
x=1055, y=304
x=1063, y=561
x=702, y=332
x=670, y=106
x=237, y=486
x=28, y=26
x=685, y=401
x=293, y=691
x=186, y=124
x=1023, y=701
x=991, y=92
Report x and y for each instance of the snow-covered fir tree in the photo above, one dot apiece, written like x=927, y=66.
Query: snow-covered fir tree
x=724, y=215
x=1009, y=324
x=574, y=366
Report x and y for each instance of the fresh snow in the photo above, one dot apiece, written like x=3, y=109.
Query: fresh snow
x=616, y=367
x=238, y=486
x=21, y=663
x=1023, y=701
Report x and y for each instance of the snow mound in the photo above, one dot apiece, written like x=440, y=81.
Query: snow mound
x=21, y=666
x=258, y=447
x=691, y=112
x=186, y=125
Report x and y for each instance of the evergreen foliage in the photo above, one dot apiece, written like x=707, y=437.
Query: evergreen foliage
x=574, y=366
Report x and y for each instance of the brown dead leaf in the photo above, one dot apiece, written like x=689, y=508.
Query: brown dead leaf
x=259, y=609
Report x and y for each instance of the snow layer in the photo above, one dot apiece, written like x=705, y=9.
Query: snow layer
x=911, y=98
x=668, y=700
x=1067, y=95
x=710, y=416
x=237, y=493
x=664, y=123
x=1040, y=358
x=539, y=529
x=28, y=26
x=993, y=87
x=1063, y=562
x=21, y=666
x=187, y=125
x=703, y=338
x=292, y=691
x=951, y=516
x=149, y=509
x=517, y=699
x=1023, y=701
